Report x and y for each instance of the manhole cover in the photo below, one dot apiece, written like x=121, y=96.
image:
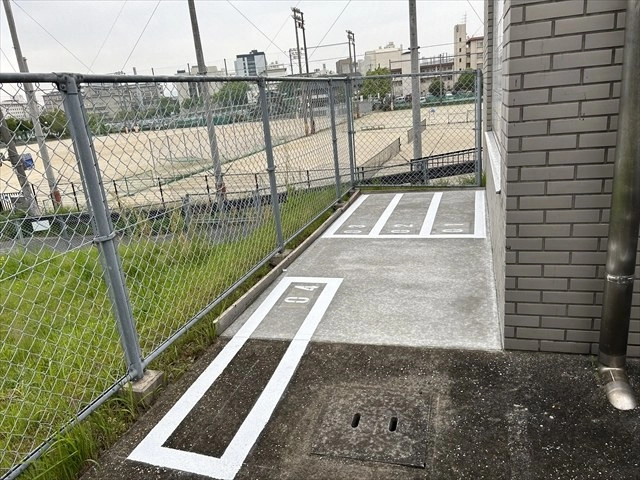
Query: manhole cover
x=374, y=425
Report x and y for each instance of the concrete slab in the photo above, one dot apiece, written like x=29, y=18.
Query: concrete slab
x=428, y=292
x=493, y=415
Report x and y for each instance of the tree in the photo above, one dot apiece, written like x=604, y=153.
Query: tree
x=54, y=123
x=232, y=93
x=466, y=82
x=188, y=103
x=436, y=88
x=376, y=87
x=169, y=106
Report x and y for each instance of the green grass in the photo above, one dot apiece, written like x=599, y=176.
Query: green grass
x=60, y=346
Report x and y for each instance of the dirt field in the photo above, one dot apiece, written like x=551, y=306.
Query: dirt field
x=131, y=163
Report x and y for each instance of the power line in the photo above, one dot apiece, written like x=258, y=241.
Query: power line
x=474, y=11
x=9, y=61
x=53, y=37
x=140, y=36
x=108, y=35
x=271, y=42
x=327, y=32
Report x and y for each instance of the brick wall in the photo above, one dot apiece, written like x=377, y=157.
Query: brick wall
x=561, y=86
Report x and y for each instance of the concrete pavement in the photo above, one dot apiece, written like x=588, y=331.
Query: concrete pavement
x=377, y=354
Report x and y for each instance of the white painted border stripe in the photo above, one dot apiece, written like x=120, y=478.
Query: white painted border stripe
x=479, y=229
x=377, y=228
x=425, y=231
x=345, y=216
x=401, y=235
x=150, y=449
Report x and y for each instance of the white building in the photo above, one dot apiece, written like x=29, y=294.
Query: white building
x=275, y=69
x=250, y=64
x=467, y=51
x=191, y=90
x=388, y=57
x=16, y=108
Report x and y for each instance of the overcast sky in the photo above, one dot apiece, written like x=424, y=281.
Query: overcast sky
x=75, y=35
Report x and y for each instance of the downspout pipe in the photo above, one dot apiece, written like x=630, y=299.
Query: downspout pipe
x=624, y=224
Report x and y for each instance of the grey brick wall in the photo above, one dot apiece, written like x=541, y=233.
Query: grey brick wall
x=496, y=202
x=562, y=71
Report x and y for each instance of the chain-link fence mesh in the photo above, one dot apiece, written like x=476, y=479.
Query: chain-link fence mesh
x=448, y=125
x=59, y=346
x=129, y=210
x=187, y=200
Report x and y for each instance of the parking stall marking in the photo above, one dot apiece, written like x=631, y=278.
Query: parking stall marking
x=452, y=228
x=151, y=450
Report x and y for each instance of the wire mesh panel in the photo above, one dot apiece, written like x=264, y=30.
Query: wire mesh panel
x=305, y=167
x=185, y=170
x=59, y=346
x=168, y=196
x=448, y=124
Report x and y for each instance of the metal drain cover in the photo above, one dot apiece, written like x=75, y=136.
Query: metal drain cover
x=375, y=425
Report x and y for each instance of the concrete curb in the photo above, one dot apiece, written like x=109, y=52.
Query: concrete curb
x=231, y=314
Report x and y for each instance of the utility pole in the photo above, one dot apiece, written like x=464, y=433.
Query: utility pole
x=213, y=142
x=415, y=81
x=352, y=41
x=353, y=62
x=32, y=105
x=298, y=18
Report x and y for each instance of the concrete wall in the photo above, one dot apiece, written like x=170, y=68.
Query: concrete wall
x=560, y=95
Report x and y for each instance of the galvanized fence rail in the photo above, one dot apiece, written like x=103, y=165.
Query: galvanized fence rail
x=147, y=200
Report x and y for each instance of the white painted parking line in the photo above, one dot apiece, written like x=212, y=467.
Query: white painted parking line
x=345, y=216
x=479, y=229
x=151, y=451
x=425, y=231
x=377, y=228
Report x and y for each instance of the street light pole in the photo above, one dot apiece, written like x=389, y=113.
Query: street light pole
x=32, y=106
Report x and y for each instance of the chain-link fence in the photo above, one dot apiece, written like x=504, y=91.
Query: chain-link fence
x=446, y=128
x=130, y=207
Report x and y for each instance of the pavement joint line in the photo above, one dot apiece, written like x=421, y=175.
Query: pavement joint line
x=384, y=218
x=151, y=451
x=432, y=211
x=345, y=216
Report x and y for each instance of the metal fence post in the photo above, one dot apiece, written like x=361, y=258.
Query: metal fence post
x=478, y=127
x=105, y=234
x=271, y=169
x=334, y=139
x=350, y=132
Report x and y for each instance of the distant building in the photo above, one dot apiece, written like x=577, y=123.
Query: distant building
x=191, y=90
x=467, y=51
x=110, y=99
x=250, y=64
x=344, y=66
x=388, y=57
x=52, y=101
x=276, y=70
x=16, y=108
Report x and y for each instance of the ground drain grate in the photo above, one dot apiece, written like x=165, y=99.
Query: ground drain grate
x=375, y=425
